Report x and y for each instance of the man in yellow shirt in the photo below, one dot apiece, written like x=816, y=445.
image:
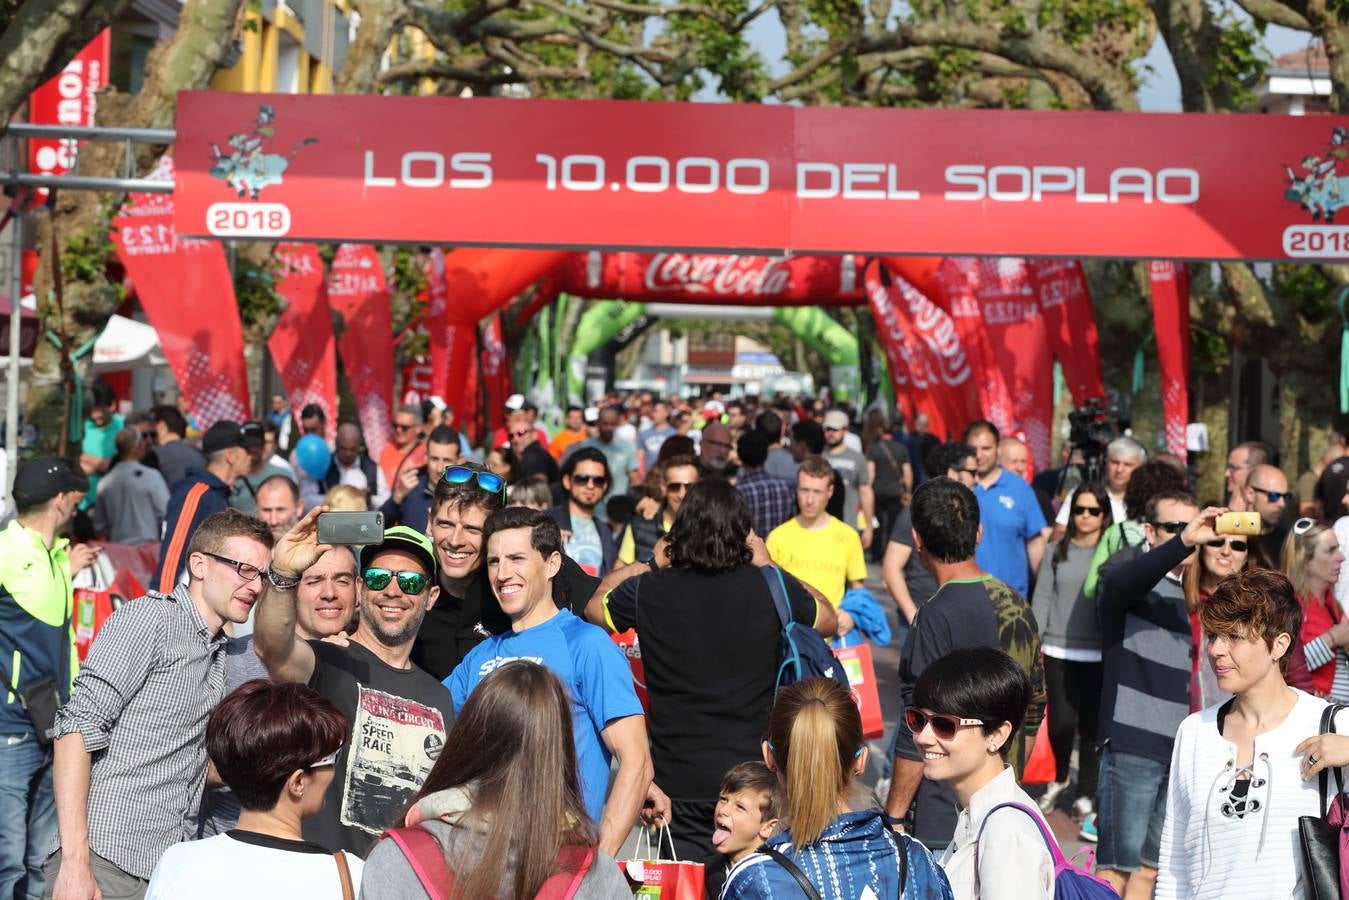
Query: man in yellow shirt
x=817, y=548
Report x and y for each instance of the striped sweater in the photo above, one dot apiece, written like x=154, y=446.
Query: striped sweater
x=1208, y=850
x=1145, y=653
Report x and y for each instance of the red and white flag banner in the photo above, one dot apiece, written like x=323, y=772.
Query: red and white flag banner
x=957, y=280
x=496, y=373
x=1016, y=332
x=1065, y=304
x=69, y=100
x=453, y=348
x=302, y=343
x=1171, y=312
x=358, y=291
x=929, y=369
x=185, y=288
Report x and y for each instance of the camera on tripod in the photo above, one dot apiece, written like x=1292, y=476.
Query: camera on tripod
x=1091, y=428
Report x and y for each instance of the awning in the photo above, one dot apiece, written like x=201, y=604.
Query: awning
x=124, y=344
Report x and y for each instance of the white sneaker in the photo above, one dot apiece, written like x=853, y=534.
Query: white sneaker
x=1083, y=807
x=1050, y=799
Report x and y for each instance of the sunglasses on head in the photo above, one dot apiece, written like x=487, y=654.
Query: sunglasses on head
x=378, y=579
x=1238, y=546
x=488, y=481
x=1303, y=525
x=943, y=726
x=1170, y=527
x=1087, y=510
x=329, y=760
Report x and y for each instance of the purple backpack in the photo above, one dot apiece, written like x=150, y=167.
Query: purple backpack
x=1070, y=882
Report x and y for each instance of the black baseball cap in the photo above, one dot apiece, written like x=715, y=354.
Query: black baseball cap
x=254, y=436
x=42, y=478
x=222, y=436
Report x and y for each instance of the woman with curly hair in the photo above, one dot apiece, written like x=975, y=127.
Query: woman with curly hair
x=709, y=635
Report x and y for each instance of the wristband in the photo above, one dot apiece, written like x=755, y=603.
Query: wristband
x=652, y=563
x=281, y=582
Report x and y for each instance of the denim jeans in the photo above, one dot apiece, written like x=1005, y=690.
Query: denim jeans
x=1131, y=804
x=27, y=815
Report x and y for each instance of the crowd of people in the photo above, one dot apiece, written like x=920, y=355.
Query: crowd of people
x=559, y=636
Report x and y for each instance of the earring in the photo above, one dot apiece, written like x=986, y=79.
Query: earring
x=992, y=748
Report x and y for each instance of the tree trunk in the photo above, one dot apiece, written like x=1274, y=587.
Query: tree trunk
x=186, y=62
x=379, y=20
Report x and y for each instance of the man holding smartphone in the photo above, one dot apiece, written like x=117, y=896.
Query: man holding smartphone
x=399, y=714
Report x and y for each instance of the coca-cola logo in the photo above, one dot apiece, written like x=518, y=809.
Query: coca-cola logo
x=930, y=350
x=728, y=276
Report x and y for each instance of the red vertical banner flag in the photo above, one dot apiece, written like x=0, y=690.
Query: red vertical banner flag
x=1016, y=332
x=928, y=365
x=302, y=344
x=956, y=280
x=1065, y=304
x=496, y=374
x=185, y=288
x=454, y=346
x=358, y=291
x=70, y=100
x=1171, y=313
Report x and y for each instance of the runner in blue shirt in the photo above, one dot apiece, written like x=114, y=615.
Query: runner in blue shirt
x=1013, y=541
x=523, y=555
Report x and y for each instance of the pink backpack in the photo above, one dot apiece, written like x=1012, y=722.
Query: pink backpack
x=424, y=854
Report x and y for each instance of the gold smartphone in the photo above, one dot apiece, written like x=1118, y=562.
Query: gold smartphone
x=1238, y=523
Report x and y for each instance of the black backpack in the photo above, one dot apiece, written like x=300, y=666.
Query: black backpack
x=802, y=652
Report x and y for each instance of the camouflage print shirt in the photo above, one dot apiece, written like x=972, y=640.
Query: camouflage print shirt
x=967, y=612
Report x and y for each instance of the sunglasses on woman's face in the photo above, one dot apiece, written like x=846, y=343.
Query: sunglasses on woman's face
x=378, y=579
x=1092, y=511
x=943, y=726
x=1236, y=545
x=488, y=481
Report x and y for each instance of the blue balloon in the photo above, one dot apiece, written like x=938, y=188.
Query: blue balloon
x=313, y=456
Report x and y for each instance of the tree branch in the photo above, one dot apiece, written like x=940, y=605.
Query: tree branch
x=1276, y=13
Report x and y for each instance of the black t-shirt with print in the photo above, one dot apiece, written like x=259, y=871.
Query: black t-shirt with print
x=399, y=719
x=710, y=653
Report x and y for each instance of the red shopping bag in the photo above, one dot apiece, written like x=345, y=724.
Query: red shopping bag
x=627, y=642
x=92, y=608
x=861, y=673
x=662, y=879
x=1040, y=768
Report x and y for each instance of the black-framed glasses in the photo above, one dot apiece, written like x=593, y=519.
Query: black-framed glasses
x=943, y=726
x=242, y=569
x=596, y=480
x=1238, y=546
x=1093, y=511
x=377, y=579
x=490, y=482
x=1272, y=496
x=1170, y=527
x=970, y=472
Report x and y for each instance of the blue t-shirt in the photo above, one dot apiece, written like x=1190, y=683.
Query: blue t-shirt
x=590, y=665
x=651, y=439
x=1010, y=515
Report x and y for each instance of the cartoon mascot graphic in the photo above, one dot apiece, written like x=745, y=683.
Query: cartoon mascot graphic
x=1320, y=189
x=248, y=168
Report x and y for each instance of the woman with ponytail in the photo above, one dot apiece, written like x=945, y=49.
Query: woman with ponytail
x=815, y=745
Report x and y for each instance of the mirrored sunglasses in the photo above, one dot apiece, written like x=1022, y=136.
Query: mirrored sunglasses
x=488, y=481
x=378, y=579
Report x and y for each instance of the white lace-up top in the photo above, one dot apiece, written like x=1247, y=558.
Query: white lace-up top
x=1222, y=842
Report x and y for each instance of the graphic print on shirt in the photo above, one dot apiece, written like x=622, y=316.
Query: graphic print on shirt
x=395, y=741
x=584, y=546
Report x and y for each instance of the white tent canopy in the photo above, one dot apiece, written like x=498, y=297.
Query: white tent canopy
x=125, y=344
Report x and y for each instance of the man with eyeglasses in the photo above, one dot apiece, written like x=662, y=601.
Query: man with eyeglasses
x=588, y=540
x=414, y=491
x=405, y=452
x=622, y=456
x=1146, y=642
x=130, y=758
x=399, y=714
x=533, y=456
x=678, y=474
x=202, y=493
x=1266, y=492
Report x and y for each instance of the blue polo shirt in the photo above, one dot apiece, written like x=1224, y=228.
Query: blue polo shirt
x=592, y=668
x=1010, y=515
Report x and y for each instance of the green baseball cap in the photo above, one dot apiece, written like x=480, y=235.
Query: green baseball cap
x=409, y=540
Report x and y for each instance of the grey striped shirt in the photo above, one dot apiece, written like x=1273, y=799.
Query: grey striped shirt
x=141, y=702
x=1319, y=654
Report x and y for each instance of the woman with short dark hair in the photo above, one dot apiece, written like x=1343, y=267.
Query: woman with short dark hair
x=966, y=708
x=501, y=813
x=274, y=745
x=709, y=634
